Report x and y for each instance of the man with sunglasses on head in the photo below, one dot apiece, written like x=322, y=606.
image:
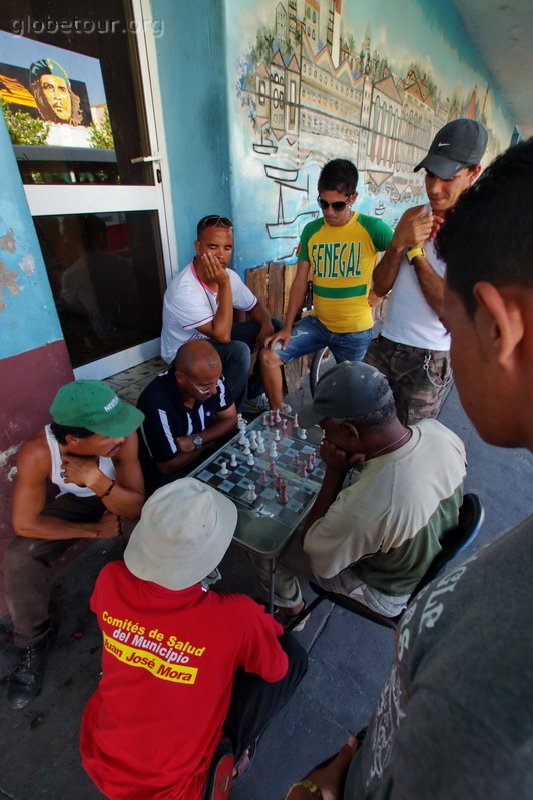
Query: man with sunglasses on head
x=412, y=349
x=338, y=253
x=199, y=304
x=187, y=411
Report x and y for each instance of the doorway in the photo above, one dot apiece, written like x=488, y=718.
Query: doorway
x=79, y=104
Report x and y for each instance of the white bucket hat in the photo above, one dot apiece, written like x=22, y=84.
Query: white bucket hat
x=184, y=531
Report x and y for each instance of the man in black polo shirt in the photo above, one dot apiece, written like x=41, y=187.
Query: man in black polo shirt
x=187, y=410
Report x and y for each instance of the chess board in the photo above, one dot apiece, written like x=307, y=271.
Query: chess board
x=292, y=452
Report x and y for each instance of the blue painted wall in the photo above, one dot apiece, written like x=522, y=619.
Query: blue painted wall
x=413, y=57
x=27, y=313
x=191, y=65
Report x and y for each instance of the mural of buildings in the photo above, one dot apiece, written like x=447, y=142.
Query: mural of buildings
x=314, y=89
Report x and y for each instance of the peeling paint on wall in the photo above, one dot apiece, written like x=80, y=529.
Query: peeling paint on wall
x=7, y=242
x=8, y=283
x=7, y=454
x=27, y=264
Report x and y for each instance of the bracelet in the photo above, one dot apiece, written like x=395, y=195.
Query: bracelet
x=311, y=787
x=414, y=252
x=108, y=490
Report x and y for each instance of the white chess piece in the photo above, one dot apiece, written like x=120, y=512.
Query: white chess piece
x=273, y=450
x=302, y=433
x=246, y=450
x=260, y=446
x=296, y=420
x=278, y=416
x=277, y=435
x=242, y=439
x=223, y=468
x=233, y=460
x=250, y=460
x=250, y=494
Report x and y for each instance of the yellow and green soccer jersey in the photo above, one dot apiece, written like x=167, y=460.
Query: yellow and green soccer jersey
x=343, y=260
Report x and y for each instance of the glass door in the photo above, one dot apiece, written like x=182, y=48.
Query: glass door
x=77, y=98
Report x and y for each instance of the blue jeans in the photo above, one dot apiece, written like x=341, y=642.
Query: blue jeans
x=310, y=335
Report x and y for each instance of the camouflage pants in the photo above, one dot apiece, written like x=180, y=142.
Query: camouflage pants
x=417, y=377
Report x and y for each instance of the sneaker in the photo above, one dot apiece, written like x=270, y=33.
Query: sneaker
x=26, y=679
x=260, y=403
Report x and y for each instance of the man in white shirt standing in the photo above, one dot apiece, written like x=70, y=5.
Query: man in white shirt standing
x=412, y=349
x=199, y=304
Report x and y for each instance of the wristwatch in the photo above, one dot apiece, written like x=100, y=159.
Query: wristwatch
x=197, y=440
x=414, y=252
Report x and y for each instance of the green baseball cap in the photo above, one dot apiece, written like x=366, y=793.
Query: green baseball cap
x=95, y=406
x=351, y=390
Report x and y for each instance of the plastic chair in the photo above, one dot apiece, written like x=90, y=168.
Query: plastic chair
x=453, y=541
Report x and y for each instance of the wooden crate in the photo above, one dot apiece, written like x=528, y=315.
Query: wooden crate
x=271, y=283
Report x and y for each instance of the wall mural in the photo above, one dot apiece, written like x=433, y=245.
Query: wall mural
x=312, y=88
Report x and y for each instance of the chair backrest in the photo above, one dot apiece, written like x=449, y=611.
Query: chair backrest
x=456, y=539
x=453, y=541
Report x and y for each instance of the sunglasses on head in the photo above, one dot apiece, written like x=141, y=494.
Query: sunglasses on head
x=214, y=221
x=337, y=205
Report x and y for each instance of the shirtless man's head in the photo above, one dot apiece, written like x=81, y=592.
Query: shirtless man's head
x=89, y=419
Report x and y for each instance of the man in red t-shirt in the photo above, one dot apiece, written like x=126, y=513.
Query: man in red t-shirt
x=176, y=655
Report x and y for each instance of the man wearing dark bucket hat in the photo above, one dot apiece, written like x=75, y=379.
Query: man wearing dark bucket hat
x=176, y=657
x=89, y=454
x=376, y=538
x=412, y=349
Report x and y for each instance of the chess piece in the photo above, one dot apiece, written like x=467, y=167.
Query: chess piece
x=284, y=424
x=263, y=478
x=282, y=498
x=302, y=471
x=296, y=420
x=278, y=416
x=246, y=450
x=260, y=446
x=264, y=420
x=302, y=433
x=250, y=460
x=250, y=493
x=277, y=435
x=253, y=440
x=273, y=471
x=273, y=451
x=223, y=468
x=233, y=460
x=242, y=439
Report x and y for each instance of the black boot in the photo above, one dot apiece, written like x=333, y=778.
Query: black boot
x=25, y=681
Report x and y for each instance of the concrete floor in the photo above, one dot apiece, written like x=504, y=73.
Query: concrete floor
x=349, y=659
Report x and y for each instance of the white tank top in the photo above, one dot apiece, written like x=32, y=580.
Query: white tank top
x=105, y=465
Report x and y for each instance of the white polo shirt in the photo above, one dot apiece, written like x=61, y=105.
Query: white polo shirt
x=188, y=304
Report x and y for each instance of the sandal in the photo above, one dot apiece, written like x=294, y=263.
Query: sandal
x=294, y=619
x=220, y=775
x=244, y=762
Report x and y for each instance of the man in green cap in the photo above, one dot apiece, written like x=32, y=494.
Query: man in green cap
x=89, y=453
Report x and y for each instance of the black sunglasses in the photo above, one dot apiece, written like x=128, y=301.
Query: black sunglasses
x=337, y=205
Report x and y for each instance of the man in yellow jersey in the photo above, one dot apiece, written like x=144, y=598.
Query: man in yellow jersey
x=338, y=252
